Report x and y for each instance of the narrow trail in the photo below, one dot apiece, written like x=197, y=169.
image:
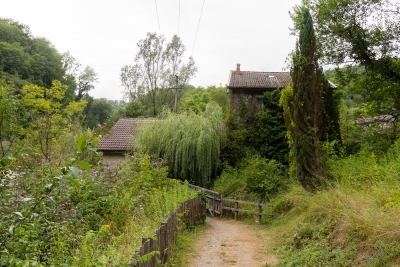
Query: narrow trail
x=230, y=243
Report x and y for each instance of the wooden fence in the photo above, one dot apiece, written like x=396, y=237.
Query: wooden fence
x=215, y=204
x=158, y=247
x=236, y=209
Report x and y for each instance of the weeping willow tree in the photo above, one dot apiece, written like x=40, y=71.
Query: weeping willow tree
x=189, y=142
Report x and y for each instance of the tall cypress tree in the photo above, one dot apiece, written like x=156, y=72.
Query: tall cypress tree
x=305, y=109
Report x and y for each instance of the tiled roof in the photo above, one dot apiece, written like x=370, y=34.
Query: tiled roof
x=122, y=134
x=258, y=80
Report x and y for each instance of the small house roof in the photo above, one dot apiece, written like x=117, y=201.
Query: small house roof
x=122, y=135
x=258, y=80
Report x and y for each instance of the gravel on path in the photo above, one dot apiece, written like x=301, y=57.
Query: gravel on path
x=230, y=243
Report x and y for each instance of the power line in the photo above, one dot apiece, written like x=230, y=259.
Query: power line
x=198, y=25
x=158, y=19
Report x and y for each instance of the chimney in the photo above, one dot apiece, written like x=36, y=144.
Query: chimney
x=238, y=68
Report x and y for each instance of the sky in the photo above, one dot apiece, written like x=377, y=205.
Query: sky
x=103, y=34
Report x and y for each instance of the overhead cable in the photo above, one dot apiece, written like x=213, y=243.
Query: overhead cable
x=158, y=19
x=198, y=25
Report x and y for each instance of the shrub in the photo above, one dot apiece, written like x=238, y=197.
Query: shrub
x=254, y=176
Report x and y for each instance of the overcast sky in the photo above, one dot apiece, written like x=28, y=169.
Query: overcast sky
x=104, y=34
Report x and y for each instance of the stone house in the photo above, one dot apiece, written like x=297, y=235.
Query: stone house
x=245, y=86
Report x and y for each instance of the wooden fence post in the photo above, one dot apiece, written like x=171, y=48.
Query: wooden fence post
x=259, y=211
x=236, y=207
x=220, y=205
x=213, y=206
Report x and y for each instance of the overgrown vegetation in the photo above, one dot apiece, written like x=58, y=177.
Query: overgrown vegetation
x=254, y=178
x=353, y=223
x=262, y=132
x=61, y=207
x=189, y=142
x=54, y=216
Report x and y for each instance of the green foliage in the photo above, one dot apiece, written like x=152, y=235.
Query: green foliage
x=185, y=244
x=195, y=102
x=235, y=147
x=361, y=33
x=153, y=73
x=197, y=99
x=27, y=58
x=85, y=82
x=11, y=118
x=312, y=246
x=268, y=134
x=264, y=132
x=97, y=111
x=254, y=176
x=332, y=101
x=190, y=143
x=354, y=222
x=70, y=217
x=133, y=109
x=50, y=117
x=304, y=109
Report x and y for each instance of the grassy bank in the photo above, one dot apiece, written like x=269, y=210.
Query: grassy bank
x=355, y=222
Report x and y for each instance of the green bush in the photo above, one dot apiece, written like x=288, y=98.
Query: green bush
x=254, y=176
x=55, y=216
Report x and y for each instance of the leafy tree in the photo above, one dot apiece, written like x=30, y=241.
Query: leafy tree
x=364, y=33
x=304, y=109
x=132, y=109
x=219, y=95
x=196, y=99
x=49, y=117
x=154, y=70
x=45, y=63
x=25, y=57
x=97, y=111
x=85, y=82
x=190, y=143
x=79, y=82
x=12, y=31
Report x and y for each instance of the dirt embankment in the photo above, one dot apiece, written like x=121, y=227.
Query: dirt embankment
x=230, y=243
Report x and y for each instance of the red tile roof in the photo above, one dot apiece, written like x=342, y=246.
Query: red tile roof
x=258, y=80
x=122, y=135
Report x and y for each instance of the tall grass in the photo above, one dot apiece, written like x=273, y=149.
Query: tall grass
x=356, y=222
x=145, y=198
x=144, y=220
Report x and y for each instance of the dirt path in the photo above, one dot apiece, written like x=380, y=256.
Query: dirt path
x=230, y=243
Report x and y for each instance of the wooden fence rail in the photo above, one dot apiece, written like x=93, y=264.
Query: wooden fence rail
x=215, y=204
x=189, y=213
x=236, y=209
